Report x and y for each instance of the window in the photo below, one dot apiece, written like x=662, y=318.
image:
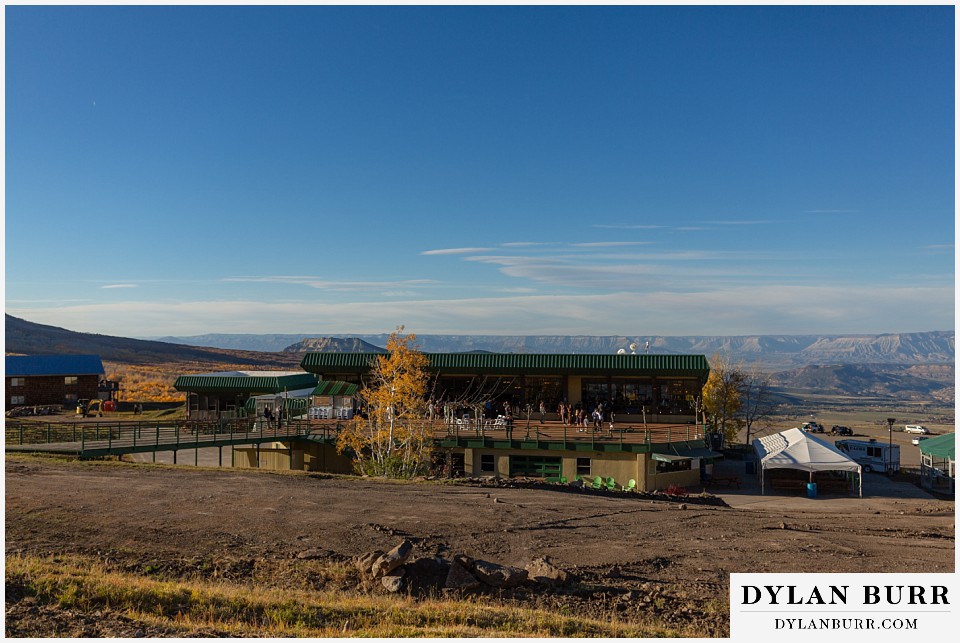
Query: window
x=874, y=452
x=71, y=398
x=593, y=391
x=631, y=395
x=676, y=465
x=548, y=389
x=535, y=466
x=487, y=463
x=583, y=466
x=17, y=381
x=70, y=379
x=18, y=399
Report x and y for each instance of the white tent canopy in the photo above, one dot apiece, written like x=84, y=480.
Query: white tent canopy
x=794, y=449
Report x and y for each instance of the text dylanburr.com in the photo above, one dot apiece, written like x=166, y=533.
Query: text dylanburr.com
x=854, y=606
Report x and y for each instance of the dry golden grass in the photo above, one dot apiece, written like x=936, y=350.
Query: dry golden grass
x=79, y=585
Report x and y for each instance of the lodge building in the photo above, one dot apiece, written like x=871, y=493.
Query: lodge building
x=652, y=439
x=55, y=380
x=657, y=388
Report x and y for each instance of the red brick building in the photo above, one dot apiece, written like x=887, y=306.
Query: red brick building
x=33, y=380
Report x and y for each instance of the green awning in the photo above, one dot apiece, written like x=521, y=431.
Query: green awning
x=942, y=446
x=334, y=387
x=666, y=457
x=698, y=452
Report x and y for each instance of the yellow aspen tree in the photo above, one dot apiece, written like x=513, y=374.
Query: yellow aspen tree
x=722, y=397
x=392, y=440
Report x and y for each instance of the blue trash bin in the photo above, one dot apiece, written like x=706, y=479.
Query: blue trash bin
x=811, y=490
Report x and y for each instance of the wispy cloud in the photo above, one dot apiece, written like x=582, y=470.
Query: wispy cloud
x=602, y=244
x=628, y=226
x=343, y=286
x=121, y=286
x=455, y=251
x=742, y=222
x=527, y=244
x=727, y=311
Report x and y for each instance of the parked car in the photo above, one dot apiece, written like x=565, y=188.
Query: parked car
x=811, y=427
x=841, y=430
x=916, y=428
x=917, y=440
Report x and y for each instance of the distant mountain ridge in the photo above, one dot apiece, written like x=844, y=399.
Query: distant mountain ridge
x=771, y=351
x=918, y=367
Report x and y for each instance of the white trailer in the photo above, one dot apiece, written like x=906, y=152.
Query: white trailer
x=872, y=455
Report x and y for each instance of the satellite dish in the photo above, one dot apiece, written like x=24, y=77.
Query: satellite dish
x=633, y=346
x=621, y=352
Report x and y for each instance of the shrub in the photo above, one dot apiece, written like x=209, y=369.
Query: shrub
x=676, y=490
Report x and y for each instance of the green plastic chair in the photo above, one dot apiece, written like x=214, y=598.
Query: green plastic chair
x=631, y=485
x=611, y=484
x=598, y=483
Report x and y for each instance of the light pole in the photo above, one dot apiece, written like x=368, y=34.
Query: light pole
x=890, y=422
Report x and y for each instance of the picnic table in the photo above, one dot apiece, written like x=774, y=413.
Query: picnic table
x=726, y=480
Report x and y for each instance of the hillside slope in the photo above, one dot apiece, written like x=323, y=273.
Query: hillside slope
x=27, y=338
x=895, y=382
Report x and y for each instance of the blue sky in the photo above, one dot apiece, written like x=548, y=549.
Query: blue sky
x=501, y=170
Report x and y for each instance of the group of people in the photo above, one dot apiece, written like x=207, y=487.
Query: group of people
x=268, y=414
x=578, y=416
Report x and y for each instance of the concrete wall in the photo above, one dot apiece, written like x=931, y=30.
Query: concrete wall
x=306, y=457
x=324, y=457
x=620, y=466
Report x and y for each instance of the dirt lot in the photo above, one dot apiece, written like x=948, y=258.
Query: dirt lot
x=249, y=525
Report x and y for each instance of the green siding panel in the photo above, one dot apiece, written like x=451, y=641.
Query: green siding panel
x=523, y=363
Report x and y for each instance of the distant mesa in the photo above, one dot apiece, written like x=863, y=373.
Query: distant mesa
x=333, y=345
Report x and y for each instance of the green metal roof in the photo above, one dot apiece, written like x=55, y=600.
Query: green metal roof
x=942, y=446
x=523, y=363
x=247, y=384
x=333, y=387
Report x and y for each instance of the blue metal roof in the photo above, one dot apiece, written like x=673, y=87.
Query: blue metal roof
x=33, y=365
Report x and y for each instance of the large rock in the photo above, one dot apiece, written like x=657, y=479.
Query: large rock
x=392, y=559
x=425, y=575
x=460, y=578
x=543, y=571
x=365, y=562
x=500, y=576
x=393, y=582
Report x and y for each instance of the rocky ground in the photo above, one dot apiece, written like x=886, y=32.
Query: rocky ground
x=631, y=555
